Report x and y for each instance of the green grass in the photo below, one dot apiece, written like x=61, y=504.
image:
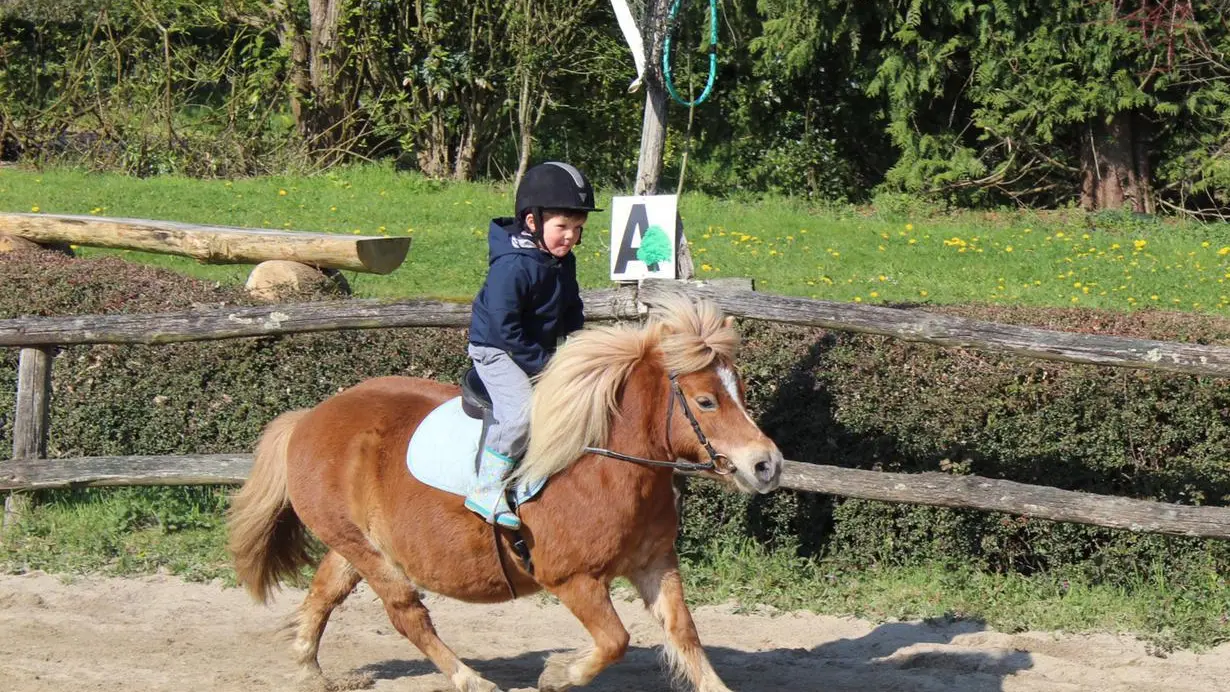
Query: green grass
x=1111, y=261
x=119, y=535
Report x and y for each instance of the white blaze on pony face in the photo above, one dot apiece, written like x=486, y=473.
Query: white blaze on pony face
x=731, y=381
x=755, y=461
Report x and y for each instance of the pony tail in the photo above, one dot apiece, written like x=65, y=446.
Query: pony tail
x=267, y=541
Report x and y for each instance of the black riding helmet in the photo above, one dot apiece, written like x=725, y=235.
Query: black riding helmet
x=552, y=185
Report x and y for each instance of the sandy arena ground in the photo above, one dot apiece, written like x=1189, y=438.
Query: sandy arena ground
x=160, y=633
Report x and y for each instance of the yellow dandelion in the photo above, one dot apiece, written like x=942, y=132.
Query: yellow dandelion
x=706, y=268
x=1075, y=299
x=1224, y=251
x=1205, y=244
x=1140, y=244
x=1059, y=234
x=923, y=293
x=874, y=294
x=281, y=192
x=333, y=208
x=1008, y=249
x=912, y=241
x=34, y=209
x=909, y=227
x=858, y=299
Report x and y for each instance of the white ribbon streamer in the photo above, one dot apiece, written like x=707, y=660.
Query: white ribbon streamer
x=632, y=34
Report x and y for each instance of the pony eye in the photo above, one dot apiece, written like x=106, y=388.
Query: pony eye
x=706, y=403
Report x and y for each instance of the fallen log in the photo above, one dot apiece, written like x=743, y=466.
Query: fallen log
x=213, y=244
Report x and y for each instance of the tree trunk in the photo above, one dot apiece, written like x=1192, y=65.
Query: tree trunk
x=327, y=62
x=525, y=131
x=653, y=128
x=433, y=153
x=1115, y=168
x=467, y=152
x=291, y=35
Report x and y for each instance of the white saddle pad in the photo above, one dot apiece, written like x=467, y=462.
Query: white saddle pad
x=443, y=452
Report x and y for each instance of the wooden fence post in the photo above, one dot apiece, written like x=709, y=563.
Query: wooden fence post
x=30, y=420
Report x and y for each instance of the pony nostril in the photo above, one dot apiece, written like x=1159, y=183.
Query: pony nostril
x=764, y=470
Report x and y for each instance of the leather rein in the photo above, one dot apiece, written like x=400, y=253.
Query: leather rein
x=718, y=463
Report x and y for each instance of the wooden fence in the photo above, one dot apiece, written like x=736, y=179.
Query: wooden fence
x=38, y=337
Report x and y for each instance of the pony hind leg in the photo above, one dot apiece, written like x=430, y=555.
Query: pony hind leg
x=335, y=579
x=590, y=601
x=662, y=590
x=410, y=617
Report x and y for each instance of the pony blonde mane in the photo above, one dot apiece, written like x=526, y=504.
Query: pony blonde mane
x=574, y=398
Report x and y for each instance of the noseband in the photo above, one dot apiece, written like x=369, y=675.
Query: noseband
x=718, y=463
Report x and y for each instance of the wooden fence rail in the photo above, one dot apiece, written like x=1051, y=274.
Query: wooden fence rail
x=936, y=489
x=39, y=335
x=911, y=325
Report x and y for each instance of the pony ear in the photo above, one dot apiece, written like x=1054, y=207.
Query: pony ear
x=729, y=322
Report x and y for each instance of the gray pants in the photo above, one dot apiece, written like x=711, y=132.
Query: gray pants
x=510, y=390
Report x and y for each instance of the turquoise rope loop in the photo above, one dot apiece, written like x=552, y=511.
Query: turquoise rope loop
x=666, y=55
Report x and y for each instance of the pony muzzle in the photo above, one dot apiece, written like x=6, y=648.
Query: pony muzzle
x=755, y=471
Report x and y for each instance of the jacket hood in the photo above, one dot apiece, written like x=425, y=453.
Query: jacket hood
x=504, y=237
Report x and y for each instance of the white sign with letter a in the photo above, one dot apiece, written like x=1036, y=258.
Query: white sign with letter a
x=644, y=236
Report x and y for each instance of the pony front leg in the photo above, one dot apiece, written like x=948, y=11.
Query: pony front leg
x=662, y=590
x=590, y=601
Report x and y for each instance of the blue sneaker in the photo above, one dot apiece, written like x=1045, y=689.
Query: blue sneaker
x=487, y=498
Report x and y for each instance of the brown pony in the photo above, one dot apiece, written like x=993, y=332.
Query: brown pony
x=339, y=470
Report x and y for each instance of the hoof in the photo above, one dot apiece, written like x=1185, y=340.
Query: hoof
x=555, y=677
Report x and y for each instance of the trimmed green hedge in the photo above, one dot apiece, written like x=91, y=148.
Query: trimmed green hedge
x=829, y=397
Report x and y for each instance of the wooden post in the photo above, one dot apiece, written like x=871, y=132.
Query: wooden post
x=653, y=126
x=30, y=420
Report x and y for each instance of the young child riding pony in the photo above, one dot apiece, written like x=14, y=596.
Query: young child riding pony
x=529, y=301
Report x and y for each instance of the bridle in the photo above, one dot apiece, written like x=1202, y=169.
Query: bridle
x=718, y=463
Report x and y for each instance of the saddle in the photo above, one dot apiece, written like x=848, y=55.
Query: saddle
x=445, y=448
x=475, y=400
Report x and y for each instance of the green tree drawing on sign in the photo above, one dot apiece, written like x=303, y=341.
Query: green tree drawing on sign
x=655, y=247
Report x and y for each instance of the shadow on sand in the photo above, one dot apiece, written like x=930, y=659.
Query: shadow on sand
x=896, y=657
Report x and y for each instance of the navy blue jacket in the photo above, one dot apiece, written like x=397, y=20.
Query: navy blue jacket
x=529, y=300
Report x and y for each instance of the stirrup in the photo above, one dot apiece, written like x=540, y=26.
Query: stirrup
x=507, y=520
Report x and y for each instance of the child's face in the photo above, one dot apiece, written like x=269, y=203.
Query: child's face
x=560, y=231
